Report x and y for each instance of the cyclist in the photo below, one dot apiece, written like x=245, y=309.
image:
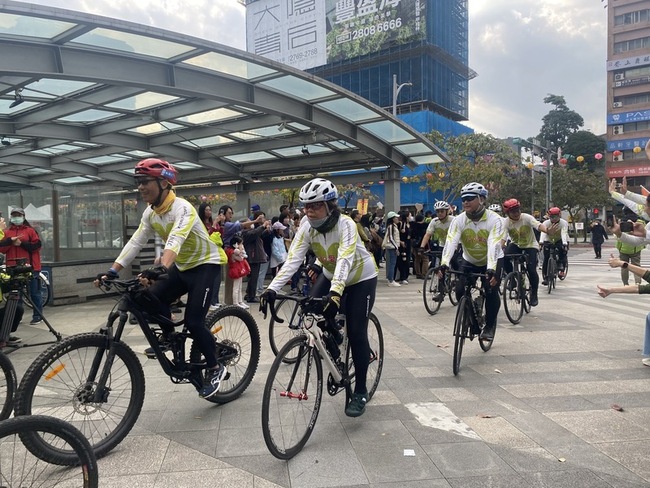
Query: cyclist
x=496, y=208
x=520, y=228
x=557, y=236
x=348, y=271
x=438, y=227
x=480, y=231
x=189, y=259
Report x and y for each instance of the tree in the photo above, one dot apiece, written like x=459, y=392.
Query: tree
x=577, y=191
x=348, y=191
x=473, y=157
x=560, y=122
x=584, y=143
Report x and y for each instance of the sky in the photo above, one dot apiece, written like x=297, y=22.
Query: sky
x=522, y=50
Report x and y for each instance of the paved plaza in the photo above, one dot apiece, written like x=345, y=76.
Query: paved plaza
x=536, y=410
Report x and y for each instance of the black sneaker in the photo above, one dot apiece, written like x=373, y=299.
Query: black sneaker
x=14, y=340
x=545, y=282
x=534, y=301
x=487, y=333
x=357, y=405
x=212, y=381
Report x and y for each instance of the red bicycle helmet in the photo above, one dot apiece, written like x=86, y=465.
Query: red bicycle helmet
x=511, y=204
x=554, y=211
x=157, y=168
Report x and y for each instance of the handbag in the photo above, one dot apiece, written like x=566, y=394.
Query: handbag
x=239, y=269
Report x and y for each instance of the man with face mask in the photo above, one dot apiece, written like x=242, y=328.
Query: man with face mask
x=21, y=241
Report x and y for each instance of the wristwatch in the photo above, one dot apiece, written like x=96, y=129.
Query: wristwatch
x=625, y=265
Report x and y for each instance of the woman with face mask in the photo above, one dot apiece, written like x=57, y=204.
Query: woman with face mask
x=22, y=241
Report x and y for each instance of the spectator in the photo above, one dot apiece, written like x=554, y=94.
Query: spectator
x=420, y=260
x=255, y=251
x=391, y=246
x=237, y=269
x=356, y=216
x=404, y=252
x=278, y=248
x=598, y=236
x=20, y=310
x=21, y=241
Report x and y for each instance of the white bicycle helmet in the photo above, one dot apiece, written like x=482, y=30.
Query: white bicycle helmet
x=475, y=189
x=441, y=205
x=318, y=190
x=495, y=207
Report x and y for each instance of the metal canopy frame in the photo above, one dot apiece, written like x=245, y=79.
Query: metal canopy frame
x=83, y=97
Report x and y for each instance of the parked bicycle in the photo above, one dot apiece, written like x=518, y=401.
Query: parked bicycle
x=21, y=466
x=435, y=289
x=96, y=381
x=516, y=289
x=294, y=387
x=470, y=316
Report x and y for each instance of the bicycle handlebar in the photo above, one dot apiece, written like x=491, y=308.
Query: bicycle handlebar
x=267, y=303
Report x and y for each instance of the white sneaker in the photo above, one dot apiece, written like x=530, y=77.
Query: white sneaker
x=214, y=307
x=243, y=305
x=646, y=361
x=404, y=282
x=393, y=283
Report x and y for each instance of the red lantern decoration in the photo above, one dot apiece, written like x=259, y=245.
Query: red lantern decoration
x=429, y=176
x=598, y=156
x=617, y=153
x=563, y=161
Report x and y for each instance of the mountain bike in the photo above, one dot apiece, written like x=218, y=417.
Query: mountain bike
x=470, y=316
x=516, y=289
x=434, y=289
x=294, y=387
x=96, y=381
x=22, y=467
x=45, y=290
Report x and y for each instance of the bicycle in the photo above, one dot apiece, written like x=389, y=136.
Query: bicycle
x=552, y=267
x=434, y=289
x=46, y=290
x=470, y=316
x=22, y=467
x=96, y=381
x=294, y=388
x=8, y=382
x=515, y=289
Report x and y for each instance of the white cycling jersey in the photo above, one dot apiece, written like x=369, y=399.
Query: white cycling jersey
x=437, y=229
x=341, y=252
x=555, y=234
x=521, y=231
x=481, y=239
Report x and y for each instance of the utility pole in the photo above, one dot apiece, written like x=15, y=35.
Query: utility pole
x=396, y=90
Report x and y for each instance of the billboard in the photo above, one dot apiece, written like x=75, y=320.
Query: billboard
x=309, y=33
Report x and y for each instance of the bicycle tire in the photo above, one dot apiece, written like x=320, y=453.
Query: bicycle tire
x=20, y=469
x=461, y=327
x=288, y=415
x=526, y=292
x=8, y=383
x=280, y=334
x=376, y=341
x=550, y=274
x=55, y=382
x=46, y=294
x=431, y=293
x=566, y=270
x=513, y=301
x=451, y=288
x=236, y=327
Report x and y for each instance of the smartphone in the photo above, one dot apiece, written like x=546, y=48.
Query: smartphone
x=627, y=226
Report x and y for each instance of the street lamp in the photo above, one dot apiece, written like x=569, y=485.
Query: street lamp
x=396, y=90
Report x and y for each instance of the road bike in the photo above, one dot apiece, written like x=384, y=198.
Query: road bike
x=552, y=271
x=22, y=466
x=470, y=316
x=96, y=381
x=434, y=289
x=294, y=387
x=515, y=288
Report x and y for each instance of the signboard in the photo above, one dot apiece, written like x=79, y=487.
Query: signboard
x=625, y=117
x=629, y=170
x=309, y=33
x=626, y=144
x=632, y=62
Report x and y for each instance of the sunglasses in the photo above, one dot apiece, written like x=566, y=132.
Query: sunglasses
x=314, y=205
x=143, y=181
x=469, y=198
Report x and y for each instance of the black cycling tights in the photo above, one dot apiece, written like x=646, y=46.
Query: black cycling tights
x=357, y=302
x=197, y=283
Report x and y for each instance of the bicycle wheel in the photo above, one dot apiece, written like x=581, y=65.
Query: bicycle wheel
x=8, y=383
x=431, y=292
x=566, y=271
x=46, y=293
x=57, y=384
x=461, y=329
x=376, y=340
x=551, y=272
x=513, y=301
x=452, y=280
x=21, y=468
x=292, y=398
x=526, y=293
x=235, y=327
x=279, y=334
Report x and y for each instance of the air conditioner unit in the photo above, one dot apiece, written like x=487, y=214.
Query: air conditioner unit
x=618, y=158
x=619, y=76
x=618, y=129
x=617, y=104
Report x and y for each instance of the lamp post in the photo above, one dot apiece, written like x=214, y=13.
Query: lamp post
x=396, y=90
